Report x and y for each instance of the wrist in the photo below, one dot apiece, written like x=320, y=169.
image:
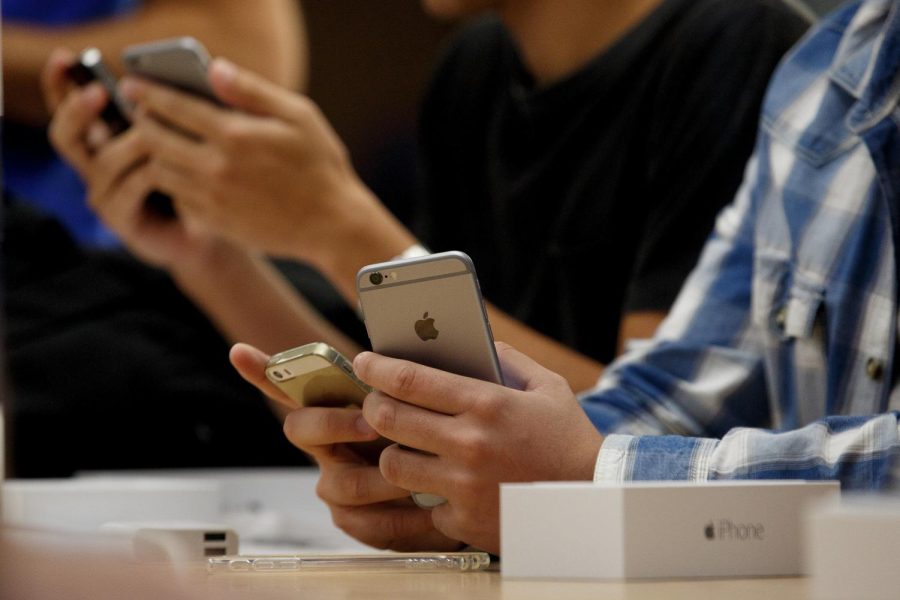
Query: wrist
x=209, y=262
x=369, y=235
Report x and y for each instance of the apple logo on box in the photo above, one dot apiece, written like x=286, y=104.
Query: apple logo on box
x=425, y=328
x=710, y=531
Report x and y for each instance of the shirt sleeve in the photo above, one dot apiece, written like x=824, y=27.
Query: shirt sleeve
x=693, y=404
x=861, y=452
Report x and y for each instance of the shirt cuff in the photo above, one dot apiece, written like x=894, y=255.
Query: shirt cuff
x=612, y=458
x=654, y=458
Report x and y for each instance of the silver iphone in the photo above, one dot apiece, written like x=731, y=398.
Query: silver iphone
x=181, y=62
x=429, y=310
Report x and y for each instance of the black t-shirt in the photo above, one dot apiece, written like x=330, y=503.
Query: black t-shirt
x=592, y=197
x=111, y=367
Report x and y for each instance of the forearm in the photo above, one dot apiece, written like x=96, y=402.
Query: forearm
x=249, y=301
x=372, y=234
x=364, y=233
x=266, y=36
x=580, y=371
x=859, y=451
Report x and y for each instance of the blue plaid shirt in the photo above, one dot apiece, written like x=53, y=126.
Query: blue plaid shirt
x=777, y=358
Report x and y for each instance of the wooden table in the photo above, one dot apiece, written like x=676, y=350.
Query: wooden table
x=44, y=567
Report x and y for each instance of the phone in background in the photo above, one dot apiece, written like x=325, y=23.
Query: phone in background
x=429, y=310
x=318, y=375
x=89, y=67
x=180, y=62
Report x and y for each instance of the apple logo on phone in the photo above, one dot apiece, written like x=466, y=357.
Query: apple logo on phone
x=425, y=328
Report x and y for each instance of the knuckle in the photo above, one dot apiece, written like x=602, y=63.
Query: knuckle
x=164, y=100
x=219, y=167
x=323, y=489
x=379, y=532
x=487, y=403
x=354, y=488
x=289, y=428
x=474, y=449
x=343, y=520
x=334, y=424
x=406, y=380
x=391, y=466
x=234, y=133
x=392, y=530
x=384, y=417
x=465, y=487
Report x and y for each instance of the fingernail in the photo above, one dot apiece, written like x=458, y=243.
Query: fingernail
x=223, y=69
x=360, y=361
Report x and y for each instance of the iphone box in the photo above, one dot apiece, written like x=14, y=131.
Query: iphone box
x=852, y=548
x=655, y=529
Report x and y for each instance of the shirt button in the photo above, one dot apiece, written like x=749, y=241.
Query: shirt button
x=874, y=368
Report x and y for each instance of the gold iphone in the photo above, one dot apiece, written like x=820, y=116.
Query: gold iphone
x=318, y=375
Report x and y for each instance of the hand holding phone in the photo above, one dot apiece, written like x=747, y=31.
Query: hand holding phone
x=90, y=67
x=318, y=375
x=429, y=310
x=180, y=62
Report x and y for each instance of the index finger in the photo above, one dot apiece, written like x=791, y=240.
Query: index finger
x=54, y=82
x=417, y=384
x=185, y=111
x=251, y=364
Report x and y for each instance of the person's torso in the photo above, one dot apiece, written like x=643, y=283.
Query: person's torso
x=32, y=171
x=826, y=234
x=549, y=190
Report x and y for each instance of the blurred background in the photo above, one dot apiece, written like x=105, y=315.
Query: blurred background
x=369, y=64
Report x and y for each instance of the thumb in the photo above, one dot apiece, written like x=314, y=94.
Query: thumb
x=250, y=363
x=54, y=83
x=248, y=91
x=521, y=372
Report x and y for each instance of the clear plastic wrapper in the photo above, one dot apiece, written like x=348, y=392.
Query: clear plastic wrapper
x=290, y=563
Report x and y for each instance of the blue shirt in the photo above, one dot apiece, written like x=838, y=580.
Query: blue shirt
x=31, y=169
x=776, y=359
x=63, y=12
